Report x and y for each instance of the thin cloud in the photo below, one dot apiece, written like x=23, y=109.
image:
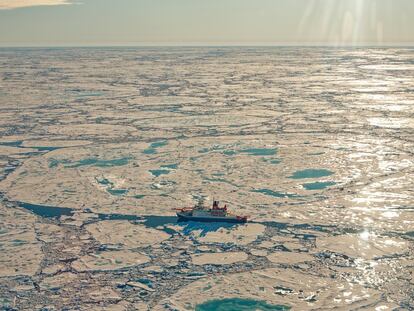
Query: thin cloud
x=14, y=4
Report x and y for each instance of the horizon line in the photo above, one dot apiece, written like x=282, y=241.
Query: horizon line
x=210, y=44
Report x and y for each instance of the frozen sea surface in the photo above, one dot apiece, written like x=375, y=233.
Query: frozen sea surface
x=98, y=145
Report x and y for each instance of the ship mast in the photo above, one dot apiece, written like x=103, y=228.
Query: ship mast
x=200, y=203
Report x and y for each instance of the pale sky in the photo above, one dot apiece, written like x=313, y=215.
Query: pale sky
x=206, y=22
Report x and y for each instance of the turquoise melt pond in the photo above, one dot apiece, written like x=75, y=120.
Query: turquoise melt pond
x=318, y=185
x=311, y=173
x=157, y=173
x=99, y=163
x=153, y=146
x=117, y=191
x=239, y=304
